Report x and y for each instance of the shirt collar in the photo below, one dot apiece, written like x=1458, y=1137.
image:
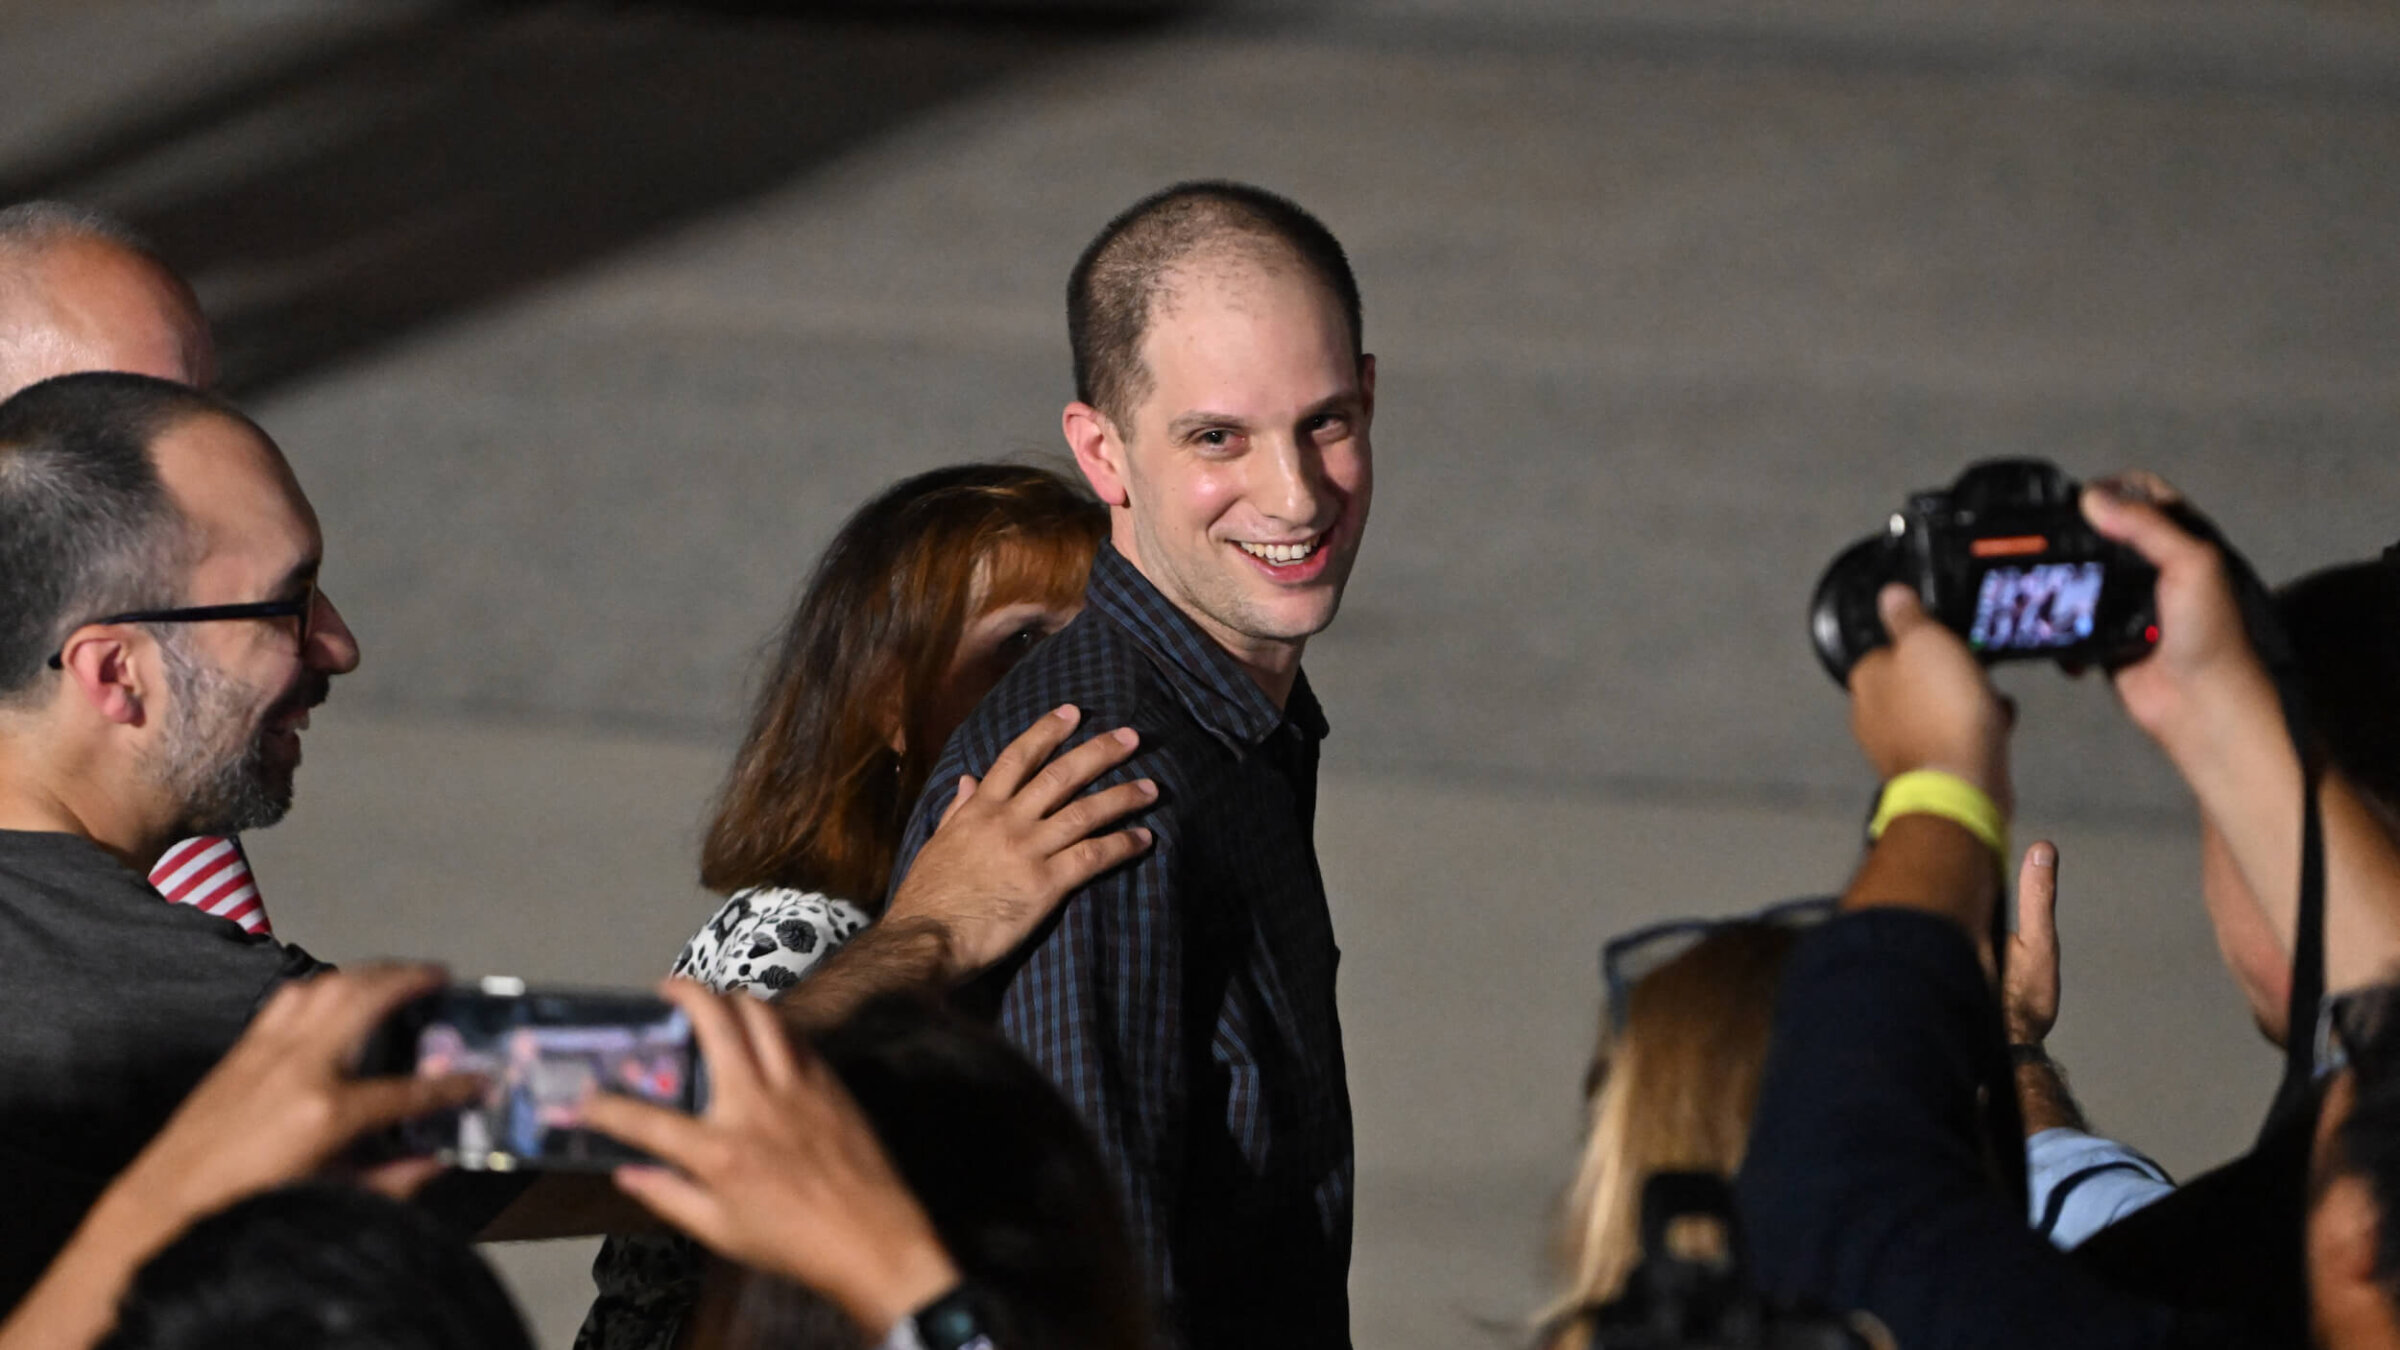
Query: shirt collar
x=1212, y=686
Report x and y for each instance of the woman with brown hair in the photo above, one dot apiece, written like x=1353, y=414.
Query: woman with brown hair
x=924, y=600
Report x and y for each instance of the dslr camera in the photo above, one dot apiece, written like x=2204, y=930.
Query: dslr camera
x=2003, y=558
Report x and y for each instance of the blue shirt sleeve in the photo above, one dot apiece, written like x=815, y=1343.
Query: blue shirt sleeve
x=2079, y=1183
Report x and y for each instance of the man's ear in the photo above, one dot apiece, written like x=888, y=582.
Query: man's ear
x=1099, y=451
x=1366, y=384
x=101, y=667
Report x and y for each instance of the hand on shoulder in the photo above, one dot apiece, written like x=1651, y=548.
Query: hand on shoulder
x=1017, y=842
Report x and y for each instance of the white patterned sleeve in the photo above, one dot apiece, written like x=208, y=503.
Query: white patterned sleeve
x=764, y=940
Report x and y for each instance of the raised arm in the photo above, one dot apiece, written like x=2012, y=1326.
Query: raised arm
x=2207, y=700
x=1868, y=1183
x=2029, y=997
x=1923, y=704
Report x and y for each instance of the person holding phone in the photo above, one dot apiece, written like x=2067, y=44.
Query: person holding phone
x=785, y=1172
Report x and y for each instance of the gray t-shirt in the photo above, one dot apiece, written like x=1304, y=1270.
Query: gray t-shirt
x=113, y=1004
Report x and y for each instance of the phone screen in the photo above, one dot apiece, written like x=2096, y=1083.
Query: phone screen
x=2037, y=607
x=542, y=1056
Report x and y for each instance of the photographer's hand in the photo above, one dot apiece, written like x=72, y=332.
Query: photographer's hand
x=281, y=1105
x=2029, y=996
x=1923, y=703
x=2202, y=689
x=783, y=1174
x=2206, y=698
x=2029, y=987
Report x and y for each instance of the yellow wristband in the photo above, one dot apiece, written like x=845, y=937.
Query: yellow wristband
x=1930, y=792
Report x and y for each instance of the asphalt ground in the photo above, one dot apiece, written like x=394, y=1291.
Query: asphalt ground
x=584, y=327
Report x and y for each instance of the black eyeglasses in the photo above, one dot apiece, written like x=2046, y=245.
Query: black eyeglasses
x=1627, y=960
x=303, y=608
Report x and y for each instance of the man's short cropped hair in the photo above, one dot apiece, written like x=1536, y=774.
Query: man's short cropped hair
x=1115, y=286
x=86, y=527
x=323, y=1266
x=29, y=230
x=39, y=224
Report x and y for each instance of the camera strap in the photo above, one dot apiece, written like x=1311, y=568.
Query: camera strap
x=2282, y=662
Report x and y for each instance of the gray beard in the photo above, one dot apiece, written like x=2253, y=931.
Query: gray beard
x=223, y=789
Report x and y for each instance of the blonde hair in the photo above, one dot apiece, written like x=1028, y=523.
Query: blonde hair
x=1673, y=1091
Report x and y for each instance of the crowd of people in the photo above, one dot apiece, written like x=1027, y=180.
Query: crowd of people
x=1018, y=1013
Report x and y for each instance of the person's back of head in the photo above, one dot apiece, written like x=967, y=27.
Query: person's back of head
x=1004, y=1168
x=1673, y=1086
x=86, y=526
x=81, y=290
x=2344, y=626
x=317, y=1268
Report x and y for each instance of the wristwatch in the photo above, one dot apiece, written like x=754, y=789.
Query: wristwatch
x=952, y=1322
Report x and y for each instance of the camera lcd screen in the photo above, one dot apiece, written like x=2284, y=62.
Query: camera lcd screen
x=543, y=1056
x=2037, y=608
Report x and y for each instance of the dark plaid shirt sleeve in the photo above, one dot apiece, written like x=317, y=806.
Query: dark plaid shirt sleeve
x=1096, y=999
x=1098, y=1006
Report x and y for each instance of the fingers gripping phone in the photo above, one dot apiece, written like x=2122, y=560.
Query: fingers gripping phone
x=542, y=1053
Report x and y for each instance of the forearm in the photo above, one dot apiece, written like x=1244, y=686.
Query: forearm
x=75, y=1303
x=894, y=954
x=1928, y=863
x=2242, y=768
x=2043, y=1098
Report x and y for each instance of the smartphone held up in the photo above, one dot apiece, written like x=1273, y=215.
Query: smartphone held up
x=542, y=1054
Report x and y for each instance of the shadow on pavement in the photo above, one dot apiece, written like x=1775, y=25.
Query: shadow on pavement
x=438, y=163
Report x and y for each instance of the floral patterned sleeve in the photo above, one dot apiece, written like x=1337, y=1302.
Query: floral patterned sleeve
x=764, y=939
x=761, y=942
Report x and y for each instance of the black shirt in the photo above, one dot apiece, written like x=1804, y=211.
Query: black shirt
x=113, y=1004
x=1185, y=1002
x=1875, y=1177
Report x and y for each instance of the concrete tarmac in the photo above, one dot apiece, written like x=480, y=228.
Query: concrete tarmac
x=584, y=327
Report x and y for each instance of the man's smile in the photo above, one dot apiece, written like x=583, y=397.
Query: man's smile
x=1282, y=554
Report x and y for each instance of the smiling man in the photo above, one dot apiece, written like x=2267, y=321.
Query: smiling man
x=1185, y=1002
x=162, y=641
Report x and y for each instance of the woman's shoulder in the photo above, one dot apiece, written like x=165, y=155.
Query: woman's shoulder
x=763, y=939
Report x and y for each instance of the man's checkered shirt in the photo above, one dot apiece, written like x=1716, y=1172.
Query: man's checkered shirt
x=1185, y=1002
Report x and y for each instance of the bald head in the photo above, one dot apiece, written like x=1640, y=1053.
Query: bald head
x=79, y=291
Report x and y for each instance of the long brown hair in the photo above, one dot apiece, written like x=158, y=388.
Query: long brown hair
x=817, y=797
x=1674, y=1092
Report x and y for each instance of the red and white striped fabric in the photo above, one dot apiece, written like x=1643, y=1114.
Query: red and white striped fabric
x=211, y=875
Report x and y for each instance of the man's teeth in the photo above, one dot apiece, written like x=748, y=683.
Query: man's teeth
x=1281, y=554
